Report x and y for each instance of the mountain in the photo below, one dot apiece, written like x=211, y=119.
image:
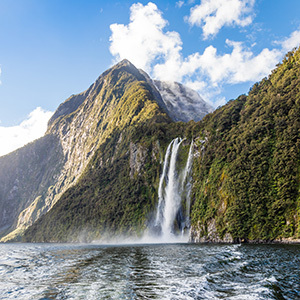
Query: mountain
x=34, y=178
x=181, y=102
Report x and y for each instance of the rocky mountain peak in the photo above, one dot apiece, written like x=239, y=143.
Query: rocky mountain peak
x=178, y=101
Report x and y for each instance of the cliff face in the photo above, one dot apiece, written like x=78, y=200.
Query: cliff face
x=119, y=98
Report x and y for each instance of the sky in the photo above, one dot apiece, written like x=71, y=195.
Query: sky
x=51, y=49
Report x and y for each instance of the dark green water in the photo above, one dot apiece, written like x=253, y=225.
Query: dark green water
x=169, y=271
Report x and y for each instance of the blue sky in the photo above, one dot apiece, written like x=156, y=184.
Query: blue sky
x=50, y=49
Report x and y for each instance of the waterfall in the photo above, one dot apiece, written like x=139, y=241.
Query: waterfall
x=186, y=184
x=161, y=184
x=173, y=192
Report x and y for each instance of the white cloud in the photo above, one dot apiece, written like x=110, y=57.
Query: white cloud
x=30, y=129
x=147, y=45
x=241, y=65
x=209, y=71
x=291, y=42
x=212, y=15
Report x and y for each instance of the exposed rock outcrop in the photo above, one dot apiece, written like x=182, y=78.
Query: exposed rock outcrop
x=208, y=234
x=137, y=158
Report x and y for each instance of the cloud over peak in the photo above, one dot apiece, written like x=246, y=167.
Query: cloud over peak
x=291, y=42
x=142, y=41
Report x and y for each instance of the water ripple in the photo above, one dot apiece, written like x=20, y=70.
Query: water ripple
x=172, y=271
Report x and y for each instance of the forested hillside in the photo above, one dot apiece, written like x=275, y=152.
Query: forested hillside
x=246, y=179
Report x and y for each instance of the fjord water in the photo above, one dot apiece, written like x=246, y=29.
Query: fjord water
x=153, y=271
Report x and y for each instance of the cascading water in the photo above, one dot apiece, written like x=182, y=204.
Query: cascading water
x=174, y=192
x=161, y=184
